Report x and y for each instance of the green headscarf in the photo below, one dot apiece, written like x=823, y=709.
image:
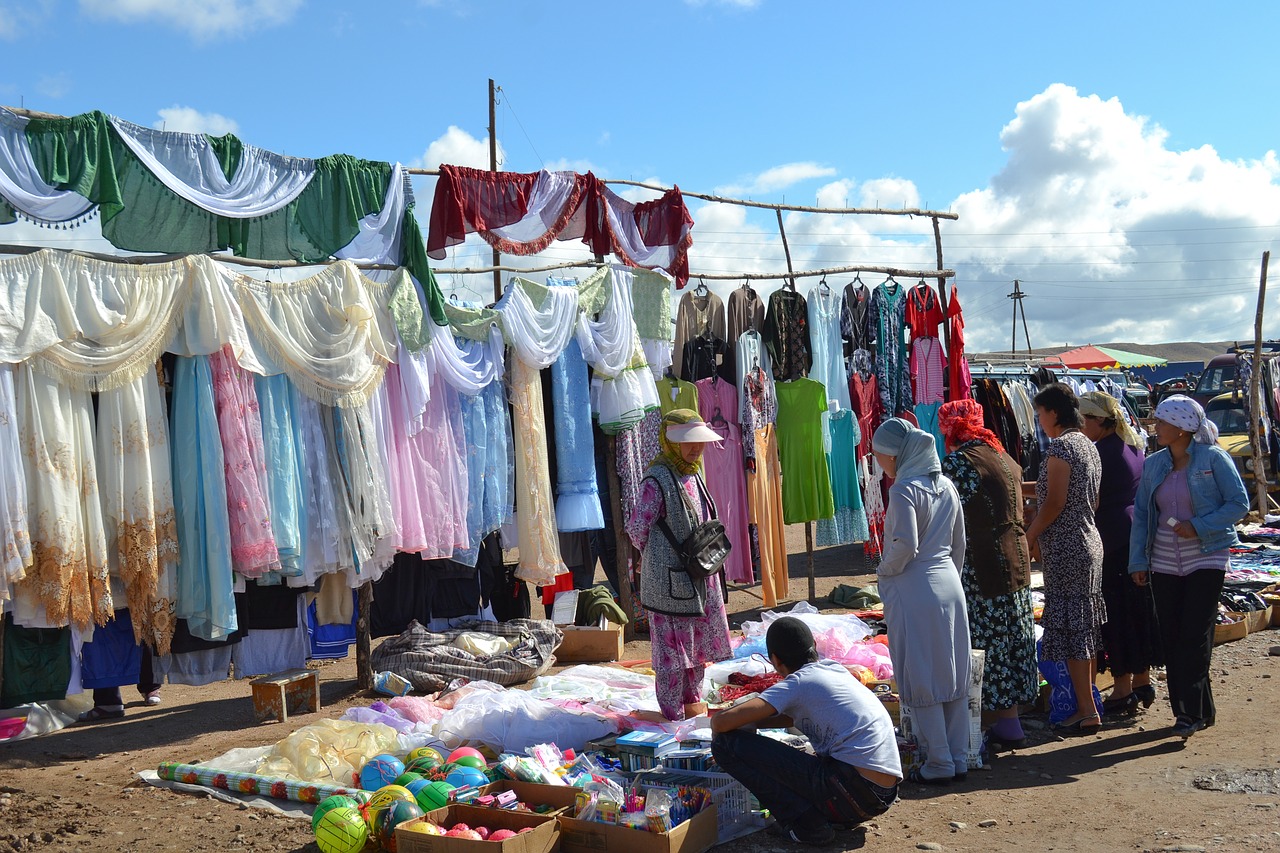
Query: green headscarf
x=670, y=454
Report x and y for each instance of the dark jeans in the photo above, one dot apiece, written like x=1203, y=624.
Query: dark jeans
x=107, y=697
x=792, y=784
x=1187, y=609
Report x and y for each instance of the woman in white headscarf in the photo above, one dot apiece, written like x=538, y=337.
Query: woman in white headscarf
x=1184, y=517
x=924, y=605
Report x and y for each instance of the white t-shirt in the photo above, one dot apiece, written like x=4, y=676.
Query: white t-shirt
x=839, y=715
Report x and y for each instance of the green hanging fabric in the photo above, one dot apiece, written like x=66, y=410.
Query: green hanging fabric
x=593, y=292
x=6, y=213
x=471, y=323
x=84, y=153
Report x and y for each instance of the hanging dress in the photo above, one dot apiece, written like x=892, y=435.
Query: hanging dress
x=826, y=344
x=284, y=470
x=806, y=485
x=205, y=580
x=577, y=498
x=786, y=335
x=873, y=495
x=759, y=413
x=849, y=524
x=15, y=538
x=726, y=479
x=887, y=315
x=68, y=582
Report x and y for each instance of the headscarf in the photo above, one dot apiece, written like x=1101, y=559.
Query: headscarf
x=1187, y=415
x=961, y=422
x=670, y=453
x=915, y=449
x=1100, y=404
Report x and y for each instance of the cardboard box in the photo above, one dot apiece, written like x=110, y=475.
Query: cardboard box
x=557, y=797
x=590, y=645
x=695, y=835
x=1271, y=595
x=277, y=696
x=1226, y=632
x=543, y=838
x=1258, y=620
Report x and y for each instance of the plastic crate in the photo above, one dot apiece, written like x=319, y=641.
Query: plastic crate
x=734, y=803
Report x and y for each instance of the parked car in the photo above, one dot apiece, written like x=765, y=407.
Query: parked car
x=1218, y=376
x=1227, y=413
x=1139, y=399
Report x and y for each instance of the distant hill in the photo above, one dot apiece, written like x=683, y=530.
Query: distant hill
x=1176, y=351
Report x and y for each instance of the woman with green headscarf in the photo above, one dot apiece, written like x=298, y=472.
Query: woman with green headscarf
x=688, y=627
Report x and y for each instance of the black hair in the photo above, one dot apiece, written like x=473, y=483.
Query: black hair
x=791, y=641
x=1062, y=401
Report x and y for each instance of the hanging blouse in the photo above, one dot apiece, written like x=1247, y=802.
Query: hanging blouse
x=137, y=498
x=703, y=357
x=923, y=312
x=253, y=547
x=15, y=538
x=854, y=316
x=205, y=598
x=677, y=394
x=577, y=498
x=786, y=335
x=68, y=579
x=699, y=315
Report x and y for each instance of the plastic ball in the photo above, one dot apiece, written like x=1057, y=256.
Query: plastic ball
x=425, y=752
x=379, y=771
x=500, y=835
x=434, y=796
x=406, y=777
x=465, y=750
x=463, y=777
x=399, y=812
x=475, y=761
x=422, y=765
x=425, y=827
x=336, y=801
x=417, y=785
x=341, y=830
x=382, y=800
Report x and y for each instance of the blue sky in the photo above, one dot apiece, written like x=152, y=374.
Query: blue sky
x=1108, y=155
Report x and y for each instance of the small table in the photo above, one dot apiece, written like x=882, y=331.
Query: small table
x=277, y=696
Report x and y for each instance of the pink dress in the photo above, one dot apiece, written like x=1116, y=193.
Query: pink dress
x=253, y=545
x=435, y=495
x=725, y=475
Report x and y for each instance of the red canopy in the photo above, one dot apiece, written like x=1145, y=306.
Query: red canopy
x=1087, y=357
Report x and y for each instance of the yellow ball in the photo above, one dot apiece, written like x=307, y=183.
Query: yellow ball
x=424, y=752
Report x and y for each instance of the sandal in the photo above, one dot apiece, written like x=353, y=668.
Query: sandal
x=1126, y=705
x=1078, y=728
x=97, y=714
x=1146, y=695
x=914, y=775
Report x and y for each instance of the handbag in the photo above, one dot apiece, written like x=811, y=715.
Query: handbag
x=704, y=552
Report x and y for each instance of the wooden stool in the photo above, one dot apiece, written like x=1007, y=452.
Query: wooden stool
x=277, y=696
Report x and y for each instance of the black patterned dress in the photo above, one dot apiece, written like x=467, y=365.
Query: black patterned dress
x=1004, y=626
x=1071, y=555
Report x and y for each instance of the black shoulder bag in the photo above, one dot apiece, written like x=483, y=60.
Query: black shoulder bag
x=704, y=552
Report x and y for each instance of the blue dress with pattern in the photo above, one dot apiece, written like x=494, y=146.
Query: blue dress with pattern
x=578, y=499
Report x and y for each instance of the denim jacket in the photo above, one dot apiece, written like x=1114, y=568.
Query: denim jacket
x=1218, y=499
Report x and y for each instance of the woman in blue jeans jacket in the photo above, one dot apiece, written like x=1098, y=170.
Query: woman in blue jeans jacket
x=1184, y=517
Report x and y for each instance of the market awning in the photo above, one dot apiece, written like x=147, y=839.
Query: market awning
x=1106, y=357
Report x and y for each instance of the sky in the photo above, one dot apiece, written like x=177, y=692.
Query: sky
x=1119, y=161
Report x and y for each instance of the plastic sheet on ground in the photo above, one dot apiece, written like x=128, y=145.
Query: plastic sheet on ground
x=328, y=751
x=513, y=720
x=838, y=636
x=47, y=717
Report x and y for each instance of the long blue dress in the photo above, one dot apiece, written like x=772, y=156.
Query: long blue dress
x=578, y=499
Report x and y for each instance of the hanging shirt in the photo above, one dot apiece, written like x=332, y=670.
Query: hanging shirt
x=928, y=370
x=854, y=318
x=676, y=394
x=698, y=315
x=924, y=311
x=786, y=335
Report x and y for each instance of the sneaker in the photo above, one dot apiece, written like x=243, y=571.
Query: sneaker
x=1185, y=728
x=152, y=698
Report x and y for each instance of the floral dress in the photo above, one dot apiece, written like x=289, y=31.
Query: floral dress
x=1004, y=625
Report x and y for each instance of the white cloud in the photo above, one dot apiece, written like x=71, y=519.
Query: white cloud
x=777, y=178
x=203, y=19
x=457, y=148
x=189, y=120
x=19, y=16
x=54, y=85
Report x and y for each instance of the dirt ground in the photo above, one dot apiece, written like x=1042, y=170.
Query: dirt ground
x=1132, y=787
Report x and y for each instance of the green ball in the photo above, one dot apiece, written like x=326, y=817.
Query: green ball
x=433, y=796
x=423, y=765
x=406, y=777
x=341, y=830
x=471, y=761
x=329, y=804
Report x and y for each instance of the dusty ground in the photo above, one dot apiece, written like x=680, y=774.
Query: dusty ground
x=1130, y=788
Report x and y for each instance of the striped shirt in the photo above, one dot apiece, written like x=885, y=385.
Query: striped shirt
x=1170, y=553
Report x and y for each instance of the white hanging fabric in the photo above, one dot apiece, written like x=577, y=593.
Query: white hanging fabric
x=622, y=387
x=187, y=164
x=469, y=366
x=629, y=243
x=378, y=241
x=554, y=195
x=15, y=538
x=607, y=343
x=538, y=336
x=20, y=182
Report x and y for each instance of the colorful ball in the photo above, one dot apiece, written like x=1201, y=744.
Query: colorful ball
x=475, y=761
x=388, y=820
x=463, y=777
x=425, y=752
x=336, y=801
x=422, y=765
x=379, y=771
x=406, y=777
x=466, y=750
x=434, y=796
x=341, y=830
x=388, y=794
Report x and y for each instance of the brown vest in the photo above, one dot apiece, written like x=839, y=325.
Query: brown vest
x=998, y=552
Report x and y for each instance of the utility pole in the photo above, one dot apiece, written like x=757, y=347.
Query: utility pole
x=1017, y=296
x=1255, y=398
x=493, y=167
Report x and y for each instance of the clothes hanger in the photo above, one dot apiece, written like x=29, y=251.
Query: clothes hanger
x=701, y=289
x=717, y=419
x=823, y=287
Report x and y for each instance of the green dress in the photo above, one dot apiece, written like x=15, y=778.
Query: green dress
x=685, y=396
x=806, y=482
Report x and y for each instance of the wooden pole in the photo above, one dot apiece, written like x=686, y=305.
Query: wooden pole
x=808, y=525
x=1013, y=332
x=942, y=292
x=493, y=167
x=364, y=669
x=1255, y=396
